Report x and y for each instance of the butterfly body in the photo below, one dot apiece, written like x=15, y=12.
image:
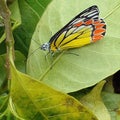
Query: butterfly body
x=84, y=29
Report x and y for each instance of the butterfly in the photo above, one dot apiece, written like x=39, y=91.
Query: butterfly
x=83, y=29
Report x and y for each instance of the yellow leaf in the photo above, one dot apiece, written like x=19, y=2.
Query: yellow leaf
x=94, y=102
x=30, y=99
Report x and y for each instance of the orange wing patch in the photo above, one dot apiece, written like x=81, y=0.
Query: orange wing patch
x=83, y=29
x=78, y=24
x=100, y=29
x=89, y=22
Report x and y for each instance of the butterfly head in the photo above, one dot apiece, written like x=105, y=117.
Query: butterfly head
x=45, y=46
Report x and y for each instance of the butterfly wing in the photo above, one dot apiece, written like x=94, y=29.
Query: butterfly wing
x=81, y=30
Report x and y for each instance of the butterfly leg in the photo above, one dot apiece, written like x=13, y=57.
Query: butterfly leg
x=73, y=53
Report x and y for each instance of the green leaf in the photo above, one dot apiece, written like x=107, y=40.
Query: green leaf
x=31, y=11
x=15, y=13
x=20, y=64
x=118, y=115
x=15, y=20
x=112, y=102
x=2, y=68
x=30, y=99
x=94, y=102
x=3, y=105
x=25, y=14
x=95, y=61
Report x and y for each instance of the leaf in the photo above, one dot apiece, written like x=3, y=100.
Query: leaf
x=16, y=21
x=3, y=104
x=112, y=102
x=15, y=17
x=94, y=102
x=2, y=68
x=15, y=12
x=95, y=61
x=19, y=62
x=118, y=114
x=25, y=14
x=30, y=99
x=31, y=11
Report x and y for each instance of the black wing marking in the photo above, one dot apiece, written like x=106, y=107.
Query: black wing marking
x=91, y=12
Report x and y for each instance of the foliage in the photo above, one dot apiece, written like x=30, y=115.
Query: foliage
x=42, y=93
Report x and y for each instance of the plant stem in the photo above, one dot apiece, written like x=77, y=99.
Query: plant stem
x=5, y=13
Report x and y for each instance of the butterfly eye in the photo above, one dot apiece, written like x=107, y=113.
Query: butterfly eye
x=45, y=46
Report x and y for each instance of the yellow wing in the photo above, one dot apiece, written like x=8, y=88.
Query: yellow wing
x=85, y=28
x=72, y=38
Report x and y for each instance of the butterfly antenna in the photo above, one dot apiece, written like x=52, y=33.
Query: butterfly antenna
x=33, y=52
x=36, y=42
x=76, y=54
x=35, y=49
